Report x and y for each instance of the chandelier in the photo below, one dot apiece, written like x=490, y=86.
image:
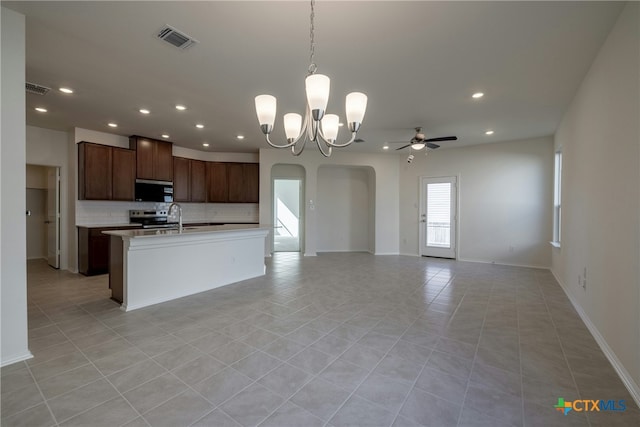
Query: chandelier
x=316, y=126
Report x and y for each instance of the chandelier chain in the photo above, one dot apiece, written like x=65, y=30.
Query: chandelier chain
x=312, y=41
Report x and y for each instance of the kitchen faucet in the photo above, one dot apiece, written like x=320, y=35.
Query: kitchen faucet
x=179, y=214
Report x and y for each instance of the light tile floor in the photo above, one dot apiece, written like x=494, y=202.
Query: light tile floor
x=334, y=340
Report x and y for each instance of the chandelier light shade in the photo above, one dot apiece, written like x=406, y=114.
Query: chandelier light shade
x=316, y=126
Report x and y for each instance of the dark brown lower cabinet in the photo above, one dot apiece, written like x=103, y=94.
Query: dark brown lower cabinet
x=93, y=250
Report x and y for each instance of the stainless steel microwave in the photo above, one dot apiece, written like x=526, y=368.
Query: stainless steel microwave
x=154, y=191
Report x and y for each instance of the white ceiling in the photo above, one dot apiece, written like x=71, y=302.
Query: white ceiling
x=419, y=63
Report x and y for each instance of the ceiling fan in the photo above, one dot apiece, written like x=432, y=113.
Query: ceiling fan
x=418, y=142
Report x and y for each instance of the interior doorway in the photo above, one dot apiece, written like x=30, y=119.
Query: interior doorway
x=43, y=213
x=287, y=214
x=438, y=217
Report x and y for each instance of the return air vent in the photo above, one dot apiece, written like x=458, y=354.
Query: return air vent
x=176, y=38
x=37, y=89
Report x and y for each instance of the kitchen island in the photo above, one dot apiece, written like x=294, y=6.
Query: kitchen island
x=148, y=267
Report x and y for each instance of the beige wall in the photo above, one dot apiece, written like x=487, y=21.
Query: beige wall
x=505, y=200
x=600, y=142
x=343, y=209
x=382, y=189
x=49, y=148
x=36, y=176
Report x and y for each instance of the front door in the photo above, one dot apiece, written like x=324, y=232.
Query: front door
x=438, y=214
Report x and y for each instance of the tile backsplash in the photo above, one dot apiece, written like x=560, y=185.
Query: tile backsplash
x=107, y=213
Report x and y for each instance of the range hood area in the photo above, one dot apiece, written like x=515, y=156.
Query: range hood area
x=148, y=190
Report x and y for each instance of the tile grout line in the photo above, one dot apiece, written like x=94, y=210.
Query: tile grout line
x=256, y=381
x=100, y=372
x=555, y=330
x=520, y=357
x=311, y=378
x=475, y=354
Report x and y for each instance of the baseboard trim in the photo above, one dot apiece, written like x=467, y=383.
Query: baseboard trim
x=624, y=375
x=483, y=261
x=16, y=359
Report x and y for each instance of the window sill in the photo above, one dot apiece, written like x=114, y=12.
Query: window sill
x=555, y=244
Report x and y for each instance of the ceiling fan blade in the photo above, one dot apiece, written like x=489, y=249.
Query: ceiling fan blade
x=404, y=146
x=432, y=146
x=442, y=138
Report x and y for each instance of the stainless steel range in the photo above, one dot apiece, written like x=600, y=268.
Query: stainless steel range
x=151, y=219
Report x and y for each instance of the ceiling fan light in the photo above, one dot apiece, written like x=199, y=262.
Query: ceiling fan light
x=418, y=145
x=355, y=106
x=292, y=125
x=330, y=127
x=317, y=87
x=266, y=109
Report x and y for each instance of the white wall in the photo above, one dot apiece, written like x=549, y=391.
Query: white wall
x=48, y=147
x=505, y=195
x=599, y=138
x=13, y=253
x=384, y=178
x=343, y=209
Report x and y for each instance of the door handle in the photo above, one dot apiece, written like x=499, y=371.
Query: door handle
x=47, y=222
x=423, y=220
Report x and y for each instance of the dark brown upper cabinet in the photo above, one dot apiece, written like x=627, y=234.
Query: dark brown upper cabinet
x=154, y=159
x=189, y=180
x=124, y=174
x=105, y=172
x=244, y=179
x=198, y=181
x=217, y=187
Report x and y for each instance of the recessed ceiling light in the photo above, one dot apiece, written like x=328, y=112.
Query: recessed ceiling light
x=66, y=90
x=386, y=147
x=165, y=135
x=112, y=125
x=40, y=109
x=477, y=95
x=240, y=137
x=489, y=132
x=181, y=107
x=144, y=111
x=205, y=144
x=199, y=126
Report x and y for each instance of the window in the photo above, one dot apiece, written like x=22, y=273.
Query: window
x=557, y=199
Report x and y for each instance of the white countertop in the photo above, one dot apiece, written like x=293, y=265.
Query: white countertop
x=186, y=230
x=125, y=225
x=185, y=223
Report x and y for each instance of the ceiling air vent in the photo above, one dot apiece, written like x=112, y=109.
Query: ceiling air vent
x=37, y=89
x=176, y=38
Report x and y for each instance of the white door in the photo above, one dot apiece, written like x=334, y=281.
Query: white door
x=286, y=215
x=438, y=213
x=53, y=217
